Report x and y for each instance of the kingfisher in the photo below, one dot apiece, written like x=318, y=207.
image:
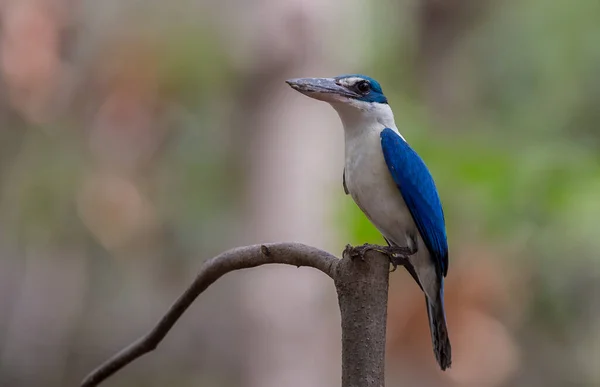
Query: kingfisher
x=393, y=187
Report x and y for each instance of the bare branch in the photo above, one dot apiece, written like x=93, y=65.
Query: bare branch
x=295, y=254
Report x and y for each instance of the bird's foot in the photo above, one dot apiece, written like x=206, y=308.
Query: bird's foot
x=354, y=252
x=397, y=255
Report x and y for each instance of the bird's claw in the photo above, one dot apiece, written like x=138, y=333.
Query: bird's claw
x=354, y=252
x=397, y=255
x=347, y=251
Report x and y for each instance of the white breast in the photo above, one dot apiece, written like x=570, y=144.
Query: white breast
x=371, y=186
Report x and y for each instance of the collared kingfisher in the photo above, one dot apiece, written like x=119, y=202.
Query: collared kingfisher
x=392, y=186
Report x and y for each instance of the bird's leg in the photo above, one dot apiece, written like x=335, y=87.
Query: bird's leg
x=397, y=255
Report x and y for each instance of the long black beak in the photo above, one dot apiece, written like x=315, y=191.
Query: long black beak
x=309, y=86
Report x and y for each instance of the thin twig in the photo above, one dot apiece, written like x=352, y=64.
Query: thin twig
x=295, y=254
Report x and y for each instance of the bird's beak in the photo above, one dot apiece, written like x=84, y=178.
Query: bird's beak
x=320, y=88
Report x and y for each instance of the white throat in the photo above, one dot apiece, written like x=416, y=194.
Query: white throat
x=360, y=118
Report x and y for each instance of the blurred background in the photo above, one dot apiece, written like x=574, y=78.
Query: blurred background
x=139, y=138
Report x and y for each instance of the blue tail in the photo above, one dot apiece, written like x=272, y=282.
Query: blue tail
x=439, y=331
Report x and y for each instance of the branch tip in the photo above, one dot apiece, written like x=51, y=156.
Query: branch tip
x=295, y=254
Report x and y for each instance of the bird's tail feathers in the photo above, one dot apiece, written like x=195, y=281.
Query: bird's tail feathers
x=439, y=331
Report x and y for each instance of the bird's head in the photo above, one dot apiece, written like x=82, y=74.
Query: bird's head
x=357, y=98
x=354, y=89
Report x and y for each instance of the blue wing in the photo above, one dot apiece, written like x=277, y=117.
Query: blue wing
x=419, y=192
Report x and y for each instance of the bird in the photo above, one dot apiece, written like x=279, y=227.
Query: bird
x=392, y=186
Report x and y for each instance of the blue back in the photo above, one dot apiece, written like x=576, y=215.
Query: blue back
x=420, y=194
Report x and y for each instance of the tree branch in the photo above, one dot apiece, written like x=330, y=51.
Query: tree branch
x=295, y=254
x=362, y=288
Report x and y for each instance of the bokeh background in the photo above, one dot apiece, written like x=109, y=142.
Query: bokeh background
x=139, y=138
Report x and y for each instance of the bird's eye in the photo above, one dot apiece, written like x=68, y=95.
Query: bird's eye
x=363, y=87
